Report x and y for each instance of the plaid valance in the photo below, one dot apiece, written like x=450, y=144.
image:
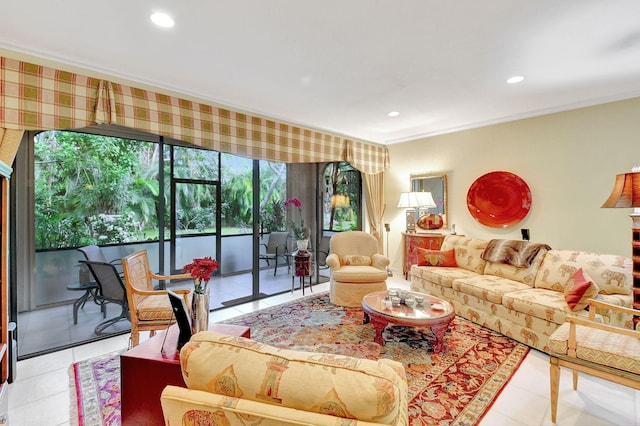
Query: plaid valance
x=35, y=97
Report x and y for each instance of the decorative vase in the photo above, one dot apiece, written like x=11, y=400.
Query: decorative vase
x=302, y=244
x=200, y=311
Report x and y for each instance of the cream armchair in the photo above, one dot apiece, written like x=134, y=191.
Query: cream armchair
x=356, y=267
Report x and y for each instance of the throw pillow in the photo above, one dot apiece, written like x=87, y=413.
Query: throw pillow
x=445, y=258
x=578, y=289
x=356, y=260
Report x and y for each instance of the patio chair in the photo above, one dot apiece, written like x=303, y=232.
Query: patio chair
x=150, y=309
x=276, y=248
x=111, y=289
x=95, y=253
x=601, y=350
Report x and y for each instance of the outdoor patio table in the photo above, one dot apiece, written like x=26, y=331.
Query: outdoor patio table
x=90, y=291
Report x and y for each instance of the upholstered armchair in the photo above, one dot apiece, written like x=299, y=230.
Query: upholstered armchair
x=601, y=350
x=356, y=266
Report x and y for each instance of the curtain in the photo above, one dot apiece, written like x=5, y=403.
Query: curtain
x=35, y=97
x=374, y=193
x=9, y=143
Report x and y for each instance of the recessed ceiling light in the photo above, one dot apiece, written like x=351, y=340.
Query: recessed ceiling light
x=393, y=114
x=162, y=20
x=515, y=79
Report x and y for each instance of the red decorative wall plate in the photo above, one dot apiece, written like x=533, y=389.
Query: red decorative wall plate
x=499, y=199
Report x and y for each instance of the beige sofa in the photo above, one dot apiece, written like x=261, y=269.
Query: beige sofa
x=237, y=381
x=525, y=303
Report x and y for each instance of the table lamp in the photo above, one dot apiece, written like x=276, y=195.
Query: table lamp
x=626, y=194
x=415, y=200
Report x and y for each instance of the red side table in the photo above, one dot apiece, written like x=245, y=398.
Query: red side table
x=302, y=268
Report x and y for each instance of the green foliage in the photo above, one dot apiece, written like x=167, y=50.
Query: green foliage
x=110, y=228
x=273, y=216
x=80, y=176
x=93, y=189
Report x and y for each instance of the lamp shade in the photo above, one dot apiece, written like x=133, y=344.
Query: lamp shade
x=626, y=191
x=340, y=201
x=416, y=199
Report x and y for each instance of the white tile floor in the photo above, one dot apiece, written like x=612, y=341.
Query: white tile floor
x=40, y=395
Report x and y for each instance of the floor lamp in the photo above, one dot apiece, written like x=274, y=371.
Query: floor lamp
x=626, y=194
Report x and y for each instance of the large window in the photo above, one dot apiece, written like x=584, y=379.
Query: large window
x=93, y=190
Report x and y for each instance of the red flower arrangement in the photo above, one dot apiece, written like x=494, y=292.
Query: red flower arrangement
x=201, y=269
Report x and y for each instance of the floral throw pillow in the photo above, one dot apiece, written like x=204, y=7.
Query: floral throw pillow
x=445, y=258
x=578, y=289
x=356, y=260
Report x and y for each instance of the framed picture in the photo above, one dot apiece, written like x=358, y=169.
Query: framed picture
x=182, y=317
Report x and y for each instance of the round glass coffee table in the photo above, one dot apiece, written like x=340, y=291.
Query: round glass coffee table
x=433, y=313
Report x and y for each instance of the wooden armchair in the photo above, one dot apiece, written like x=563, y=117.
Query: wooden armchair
x=601, y=350
x=150, y=309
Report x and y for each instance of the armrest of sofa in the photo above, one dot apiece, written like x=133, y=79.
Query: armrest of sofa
x=246, y=369
x=333, y=261
x=184, y=406
x=380, y=261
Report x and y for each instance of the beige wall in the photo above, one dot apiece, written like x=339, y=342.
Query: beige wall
x=568, y=159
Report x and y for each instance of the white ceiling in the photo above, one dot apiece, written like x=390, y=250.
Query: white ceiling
x=342, y=65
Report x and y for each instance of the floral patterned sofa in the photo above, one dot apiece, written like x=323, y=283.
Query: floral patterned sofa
x=237, y=381
x=527, y=303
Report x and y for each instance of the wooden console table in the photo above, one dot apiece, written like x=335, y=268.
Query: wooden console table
x=412, y=240
x=145, y=371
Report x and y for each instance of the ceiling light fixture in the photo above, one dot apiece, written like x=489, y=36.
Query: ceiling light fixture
x=515, y=79
x=161, y=19
x=393, y=114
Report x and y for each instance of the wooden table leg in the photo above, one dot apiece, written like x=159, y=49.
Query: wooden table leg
x=439, y=331
x=378, y=325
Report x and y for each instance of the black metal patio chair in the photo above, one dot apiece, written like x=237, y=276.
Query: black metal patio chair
x=111, y=289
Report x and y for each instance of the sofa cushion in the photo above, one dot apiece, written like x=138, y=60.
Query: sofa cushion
x=487, y=287
x=541, y=303
x=600, y=347
x=611, y=273
x=316, y=382
x=441, y=276
x=356, y=260
x=444, y=258
x=359, y=274
x=468, y=251
x=524, y=275
x=579, y=289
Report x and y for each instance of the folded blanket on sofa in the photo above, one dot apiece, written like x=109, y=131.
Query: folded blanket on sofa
x=512, y=252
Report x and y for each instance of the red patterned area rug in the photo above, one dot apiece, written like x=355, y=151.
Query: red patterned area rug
x=455, y=387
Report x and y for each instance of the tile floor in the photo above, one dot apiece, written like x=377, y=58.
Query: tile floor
x=40, y=395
